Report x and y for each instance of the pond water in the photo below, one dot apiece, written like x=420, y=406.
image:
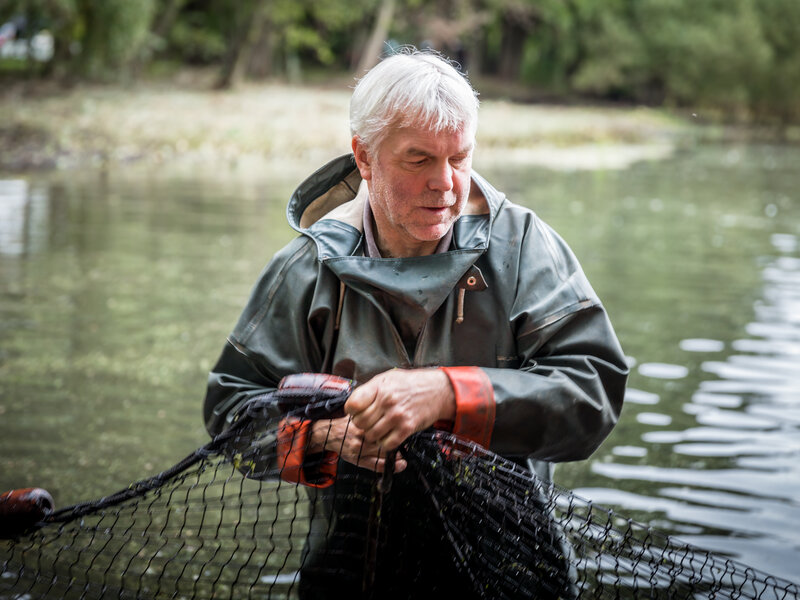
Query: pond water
x=117, y=290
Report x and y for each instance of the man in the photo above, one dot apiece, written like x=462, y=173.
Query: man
x=448, y=304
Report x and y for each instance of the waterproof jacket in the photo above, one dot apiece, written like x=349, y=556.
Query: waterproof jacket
x=528, y=319
x=537, y=371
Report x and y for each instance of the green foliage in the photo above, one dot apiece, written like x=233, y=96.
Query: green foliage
x=616, y=58
x=321, y=30
x=96, y=39
x=115, y=30
x=738, y=58
x=707, y=53
x=778, y=91
x=195, y=42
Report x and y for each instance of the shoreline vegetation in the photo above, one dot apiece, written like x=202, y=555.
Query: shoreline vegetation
x=158, y=122
x=565, y=84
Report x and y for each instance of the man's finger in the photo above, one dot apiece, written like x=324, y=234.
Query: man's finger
x=361, y=398
x=389, y=432
x=367, y=418
x=379, y=465
x=391, y=442
x=372, y=463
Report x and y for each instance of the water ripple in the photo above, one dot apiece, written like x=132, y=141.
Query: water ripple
x=720, y=400
x=755, y=368
x=657, y=419
x=745, y=481
x=635, y=396
x=663, y=370
x=701, y=345
x=730, y=419
x=747, y=416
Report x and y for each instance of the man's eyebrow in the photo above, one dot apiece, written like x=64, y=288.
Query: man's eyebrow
x=412, y=151
x=417, y=152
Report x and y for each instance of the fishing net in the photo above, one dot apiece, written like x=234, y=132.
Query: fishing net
x=459, y=521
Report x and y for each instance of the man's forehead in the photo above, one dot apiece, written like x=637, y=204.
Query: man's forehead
x=427, y=141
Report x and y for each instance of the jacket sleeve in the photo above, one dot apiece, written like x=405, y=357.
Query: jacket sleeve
x=276, y=335
x=271, y=338
x=566, y=393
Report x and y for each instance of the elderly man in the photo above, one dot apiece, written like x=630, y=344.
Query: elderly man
x=449, y=305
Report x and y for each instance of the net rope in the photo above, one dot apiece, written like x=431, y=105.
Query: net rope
x=459, y=521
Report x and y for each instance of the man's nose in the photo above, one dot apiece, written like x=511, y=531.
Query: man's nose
x=441, y=177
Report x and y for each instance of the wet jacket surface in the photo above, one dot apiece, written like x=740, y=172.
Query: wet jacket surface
x=532, y=322
x=537, y=329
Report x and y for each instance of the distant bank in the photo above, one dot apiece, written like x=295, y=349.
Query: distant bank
x=95, y=126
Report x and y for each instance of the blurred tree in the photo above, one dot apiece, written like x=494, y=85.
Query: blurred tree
x=705, y=54
x=247, y=22
x=778, y=92
x=713, y=54
x=511, y=25
x=280, y=36
x=198, y=34
x=734, y=57
x=612, y=54
x=165, y=16
x=94, y=39
x=380, y=32
x=58, y=16
x=453, y=27
x=112, y=32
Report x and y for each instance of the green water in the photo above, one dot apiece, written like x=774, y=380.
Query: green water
x=117, y=291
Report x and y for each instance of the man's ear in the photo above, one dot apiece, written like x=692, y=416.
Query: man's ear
x=363, y=158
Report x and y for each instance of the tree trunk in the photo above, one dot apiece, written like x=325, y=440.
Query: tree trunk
x=159, y=28
x=260, y=63
x=260, y=21
x=579, y=41
x=511, y=48
x=373, y=50
x=240, y=43
x=166, y=18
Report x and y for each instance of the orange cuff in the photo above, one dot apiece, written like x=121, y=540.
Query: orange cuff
x=292, y=442
x=475, y=405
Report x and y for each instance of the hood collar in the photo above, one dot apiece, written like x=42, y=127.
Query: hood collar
x=328, y=208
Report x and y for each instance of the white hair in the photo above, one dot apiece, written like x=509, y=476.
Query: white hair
x=412, y=89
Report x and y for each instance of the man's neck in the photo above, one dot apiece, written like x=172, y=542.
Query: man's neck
x=376, y=248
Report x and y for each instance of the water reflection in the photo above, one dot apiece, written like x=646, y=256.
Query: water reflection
x=702, y=345
x=24, y=214
x=116, y=295
x=663, y=371
x=748, y=413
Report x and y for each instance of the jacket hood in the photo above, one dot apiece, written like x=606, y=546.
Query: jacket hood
x=328, y=208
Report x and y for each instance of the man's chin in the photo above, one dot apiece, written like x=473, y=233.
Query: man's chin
x=432, y=234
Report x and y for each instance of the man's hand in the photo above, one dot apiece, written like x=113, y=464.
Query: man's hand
x=347, y=440
x=394, y=404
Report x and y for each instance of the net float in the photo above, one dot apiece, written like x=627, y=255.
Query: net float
x=21, y=509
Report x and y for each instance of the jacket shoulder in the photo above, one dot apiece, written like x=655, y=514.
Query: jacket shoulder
x=286, y=282
x=550, y=282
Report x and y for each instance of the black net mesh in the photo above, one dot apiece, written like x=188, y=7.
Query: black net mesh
x=459, y=521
